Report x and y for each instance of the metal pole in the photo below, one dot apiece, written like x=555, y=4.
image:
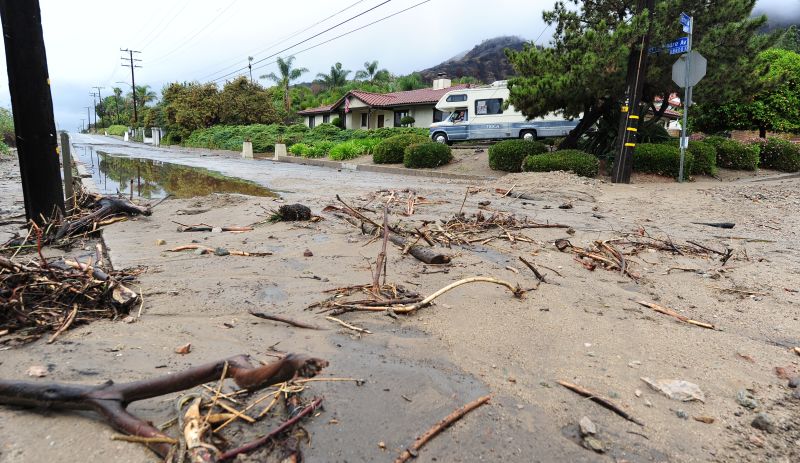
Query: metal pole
x=88, y=119
x=66, y=165
x=686, y=100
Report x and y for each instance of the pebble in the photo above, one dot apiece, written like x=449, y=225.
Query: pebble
x=199, y=252
x=757, y=441
x=634, y=364
x=796, y=394
x=763, y=422
x=637, y=393
x=794, y=382
x=682, y=414
x=216, y=230
x=746, y=399
x=308, y=253
x=587, y=426
x=648, y=403
x=594, y=444
x=160, y=242
x=221, y=252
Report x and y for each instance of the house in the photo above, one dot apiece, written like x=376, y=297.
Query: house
x=367, y=110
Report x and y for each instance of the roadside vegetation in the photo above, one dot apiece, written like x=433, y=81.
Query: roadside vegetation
x=6, y=132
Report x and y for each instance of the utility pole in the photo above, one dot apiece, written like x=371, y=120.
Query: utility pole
x=94, y=107
x=250, y=66
x=99, y=99
x=132, y=65
x=82, y=121
x=630, y=111
x=32, y=107
x=88, y=119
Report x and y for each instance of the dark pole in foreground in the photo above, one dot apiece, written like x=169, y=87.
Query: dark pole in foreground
x=630, y=111
x=32, y=105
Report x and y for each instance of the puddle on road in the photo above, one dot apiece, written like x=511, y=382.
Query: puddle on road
x=156, y=179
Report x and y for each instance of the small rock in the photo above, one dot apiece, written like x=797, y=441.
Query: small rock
x=763, y=422
x=221, y=252
x=520, y=406
x=587, y=426
x=382, y=445
x=200, y=252
x=757, y=441
x=595, y=444
x=637, y=393
x=484, y=203
x=565, y=206
x=184, y=349
x=704, y=419
x=746, y=399
x=37, y=371
x=129, y=319
x=160, y=242
x=796, y=394
x=794, y=382
x=647, y=403
x=570, y=231
x=216, y=230
x=682, y=414
x=512, y=380
x=634, y=364
x=307, y=253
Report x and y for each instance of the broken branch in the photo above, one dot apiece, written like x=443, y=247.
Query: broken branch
x=607, y=403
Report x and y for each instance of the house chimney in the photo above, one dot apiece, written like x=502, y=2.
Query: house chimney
x=441, y=81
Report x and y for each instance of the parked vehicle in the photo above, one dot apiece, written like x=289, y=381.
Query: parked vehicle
x=479, y=114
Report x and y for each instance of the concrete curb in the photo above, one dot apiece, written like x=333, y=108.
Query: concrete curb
x=378, y=169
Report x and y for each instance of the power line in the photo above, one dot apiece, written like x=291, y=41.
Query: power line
x=132, y=65
x=284, y=39
x=166, y=25
x=305, y=40
x=347, y=33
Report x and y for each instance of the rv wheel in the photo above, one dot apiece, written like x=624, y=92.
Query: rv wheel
x=528, y=135
x=440, y=137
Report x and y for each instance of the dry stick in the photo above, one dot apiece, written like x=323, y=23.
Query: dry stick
x=552, y=270
x=258, y=443
x=145, y=440
x=463, y=202
x=539, y=276
x=411, y=452
x=600, y=400
x=672, y=313
x=288, y=321
x=348, y=326
x=67, y=323
x=706, y=248
x=379, y=263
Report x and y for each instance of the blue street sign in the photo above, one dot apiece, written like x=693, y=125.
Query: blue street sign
x=678, y=46
x=686, y=22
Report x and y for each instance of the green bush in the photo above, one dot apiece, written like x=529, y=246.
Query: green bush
x=352, y=149
x=4, y=149
x=780, y=154
x=705, y=156
x=660, y=159
x=7, y=134
x=733, y=154
x=427, y=154
x=319, y=149
x=299, y=149
x=118, y=130
x=575, y=161
x=407, y=121
x=508, y=155
x=392, y=150
x=336, y=122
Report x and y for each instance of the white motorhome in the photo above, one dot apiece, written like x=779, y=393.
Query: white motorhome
x=478, y=113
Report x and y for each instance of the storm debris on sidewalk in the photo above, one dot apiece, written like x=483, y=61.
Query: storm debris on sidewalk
x=200, y=427
x=40, y=296
x=601, y=253
x=676, y=315
x=200, y=249
x=291, y=213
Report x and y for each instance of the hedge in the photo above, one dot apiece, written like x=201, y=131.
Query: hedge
x=118, y=130
x=392, y=149
x=733, y=154
x=508, y=155
x=661, y=159
x=575, y=161
x=353, y=148
x=780, y=154
x=427, y=154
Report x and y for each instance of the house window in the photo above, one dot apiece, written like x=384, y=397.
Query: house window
x=363, y=119
x=326, y=118
x=454, y=98
x=312, y=121
x=438, y=116
x=398, y=116
x=492, y=106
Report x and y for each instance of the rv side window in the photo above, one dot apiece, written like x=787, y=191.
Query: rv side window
x=492, y=106
x=453, y=98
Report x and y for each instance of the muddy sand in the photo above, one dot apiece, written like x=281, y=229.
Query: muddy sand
x=582, y=326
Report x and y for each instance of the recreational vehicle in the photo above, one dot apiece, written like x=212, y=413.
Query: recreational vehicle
x=480, y=114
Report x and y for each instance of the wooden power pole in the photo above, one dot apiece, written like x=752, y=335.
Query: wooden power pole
x=32, y=105
x=630, y=111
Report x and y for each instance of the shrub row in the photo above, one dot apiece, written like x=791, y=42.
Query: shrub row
x=661, y=159
x=508, y=155
x=392, y=150
x=733, y=154
x=779, y=154
x=118, y=130
x=576, y=161
x=427, y=154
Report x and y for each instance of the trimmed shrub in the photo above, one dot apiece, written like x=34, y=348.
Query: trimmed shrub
x=661, y=159
x=780, y=154
x=427, y=154
x=299, y=149
x=407, y=121
x=732, y=154
x=508, y=155
x=392, y=150
x=705, y=156
x=336, y=121
x=576, y=161
x=118, y=130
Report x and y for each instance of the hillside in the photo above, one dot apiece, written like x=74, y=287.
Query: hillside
x=486, y=61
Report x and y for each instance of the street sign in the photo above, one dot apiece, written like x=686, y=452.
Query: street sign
x=697, y=69
x=678, y=46
x=686, y=22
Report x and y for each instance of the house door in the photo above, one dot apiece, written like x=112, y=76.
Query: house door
x=380, y=120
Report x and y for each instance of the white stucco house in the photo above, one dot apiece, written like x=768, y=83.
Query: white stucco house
x=367, y=110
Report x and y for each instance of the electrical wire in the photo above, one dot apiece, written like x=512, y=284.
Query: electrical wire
x=303, y=41
x=342, y=35
x=282, y=40
x=166, y=25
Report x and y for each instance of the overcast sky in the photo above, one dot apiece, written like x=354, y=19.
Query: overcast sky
x=185, y=40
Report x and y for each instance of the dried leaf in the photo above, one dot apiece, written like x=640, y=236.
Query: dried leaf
x=677, y=389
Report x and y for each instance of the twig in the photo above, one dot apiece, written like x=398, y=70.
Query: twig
x=67, y=323
x=347, y=325
x=379, y=262
x=258, y=443
x=411, y=452
x=288, y=321
x=607, y=403
x=705, y=248
x=539, y=276
x=672, y=313
x=463, y=202
x=552, y=270
x=145, y=440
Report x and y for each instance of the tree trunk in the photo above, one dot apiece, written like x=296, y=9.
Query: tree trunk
x=762, y=132
x=589, y=118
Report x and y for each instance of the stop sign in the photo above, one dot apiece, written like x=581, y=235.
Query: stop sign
x=697, y=69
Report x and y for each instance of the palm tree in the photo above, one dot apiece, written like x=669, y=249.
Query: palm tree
x=371, y=73
x=144, y=95
x=287, y=75
x=117, y=93
x=336, y=78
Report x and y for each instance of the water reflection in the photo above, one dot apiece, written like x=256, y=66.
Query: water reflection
x=155, y=179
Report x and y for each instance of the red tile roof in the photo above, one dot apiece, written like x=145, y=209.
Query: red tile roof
x=387, y=100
